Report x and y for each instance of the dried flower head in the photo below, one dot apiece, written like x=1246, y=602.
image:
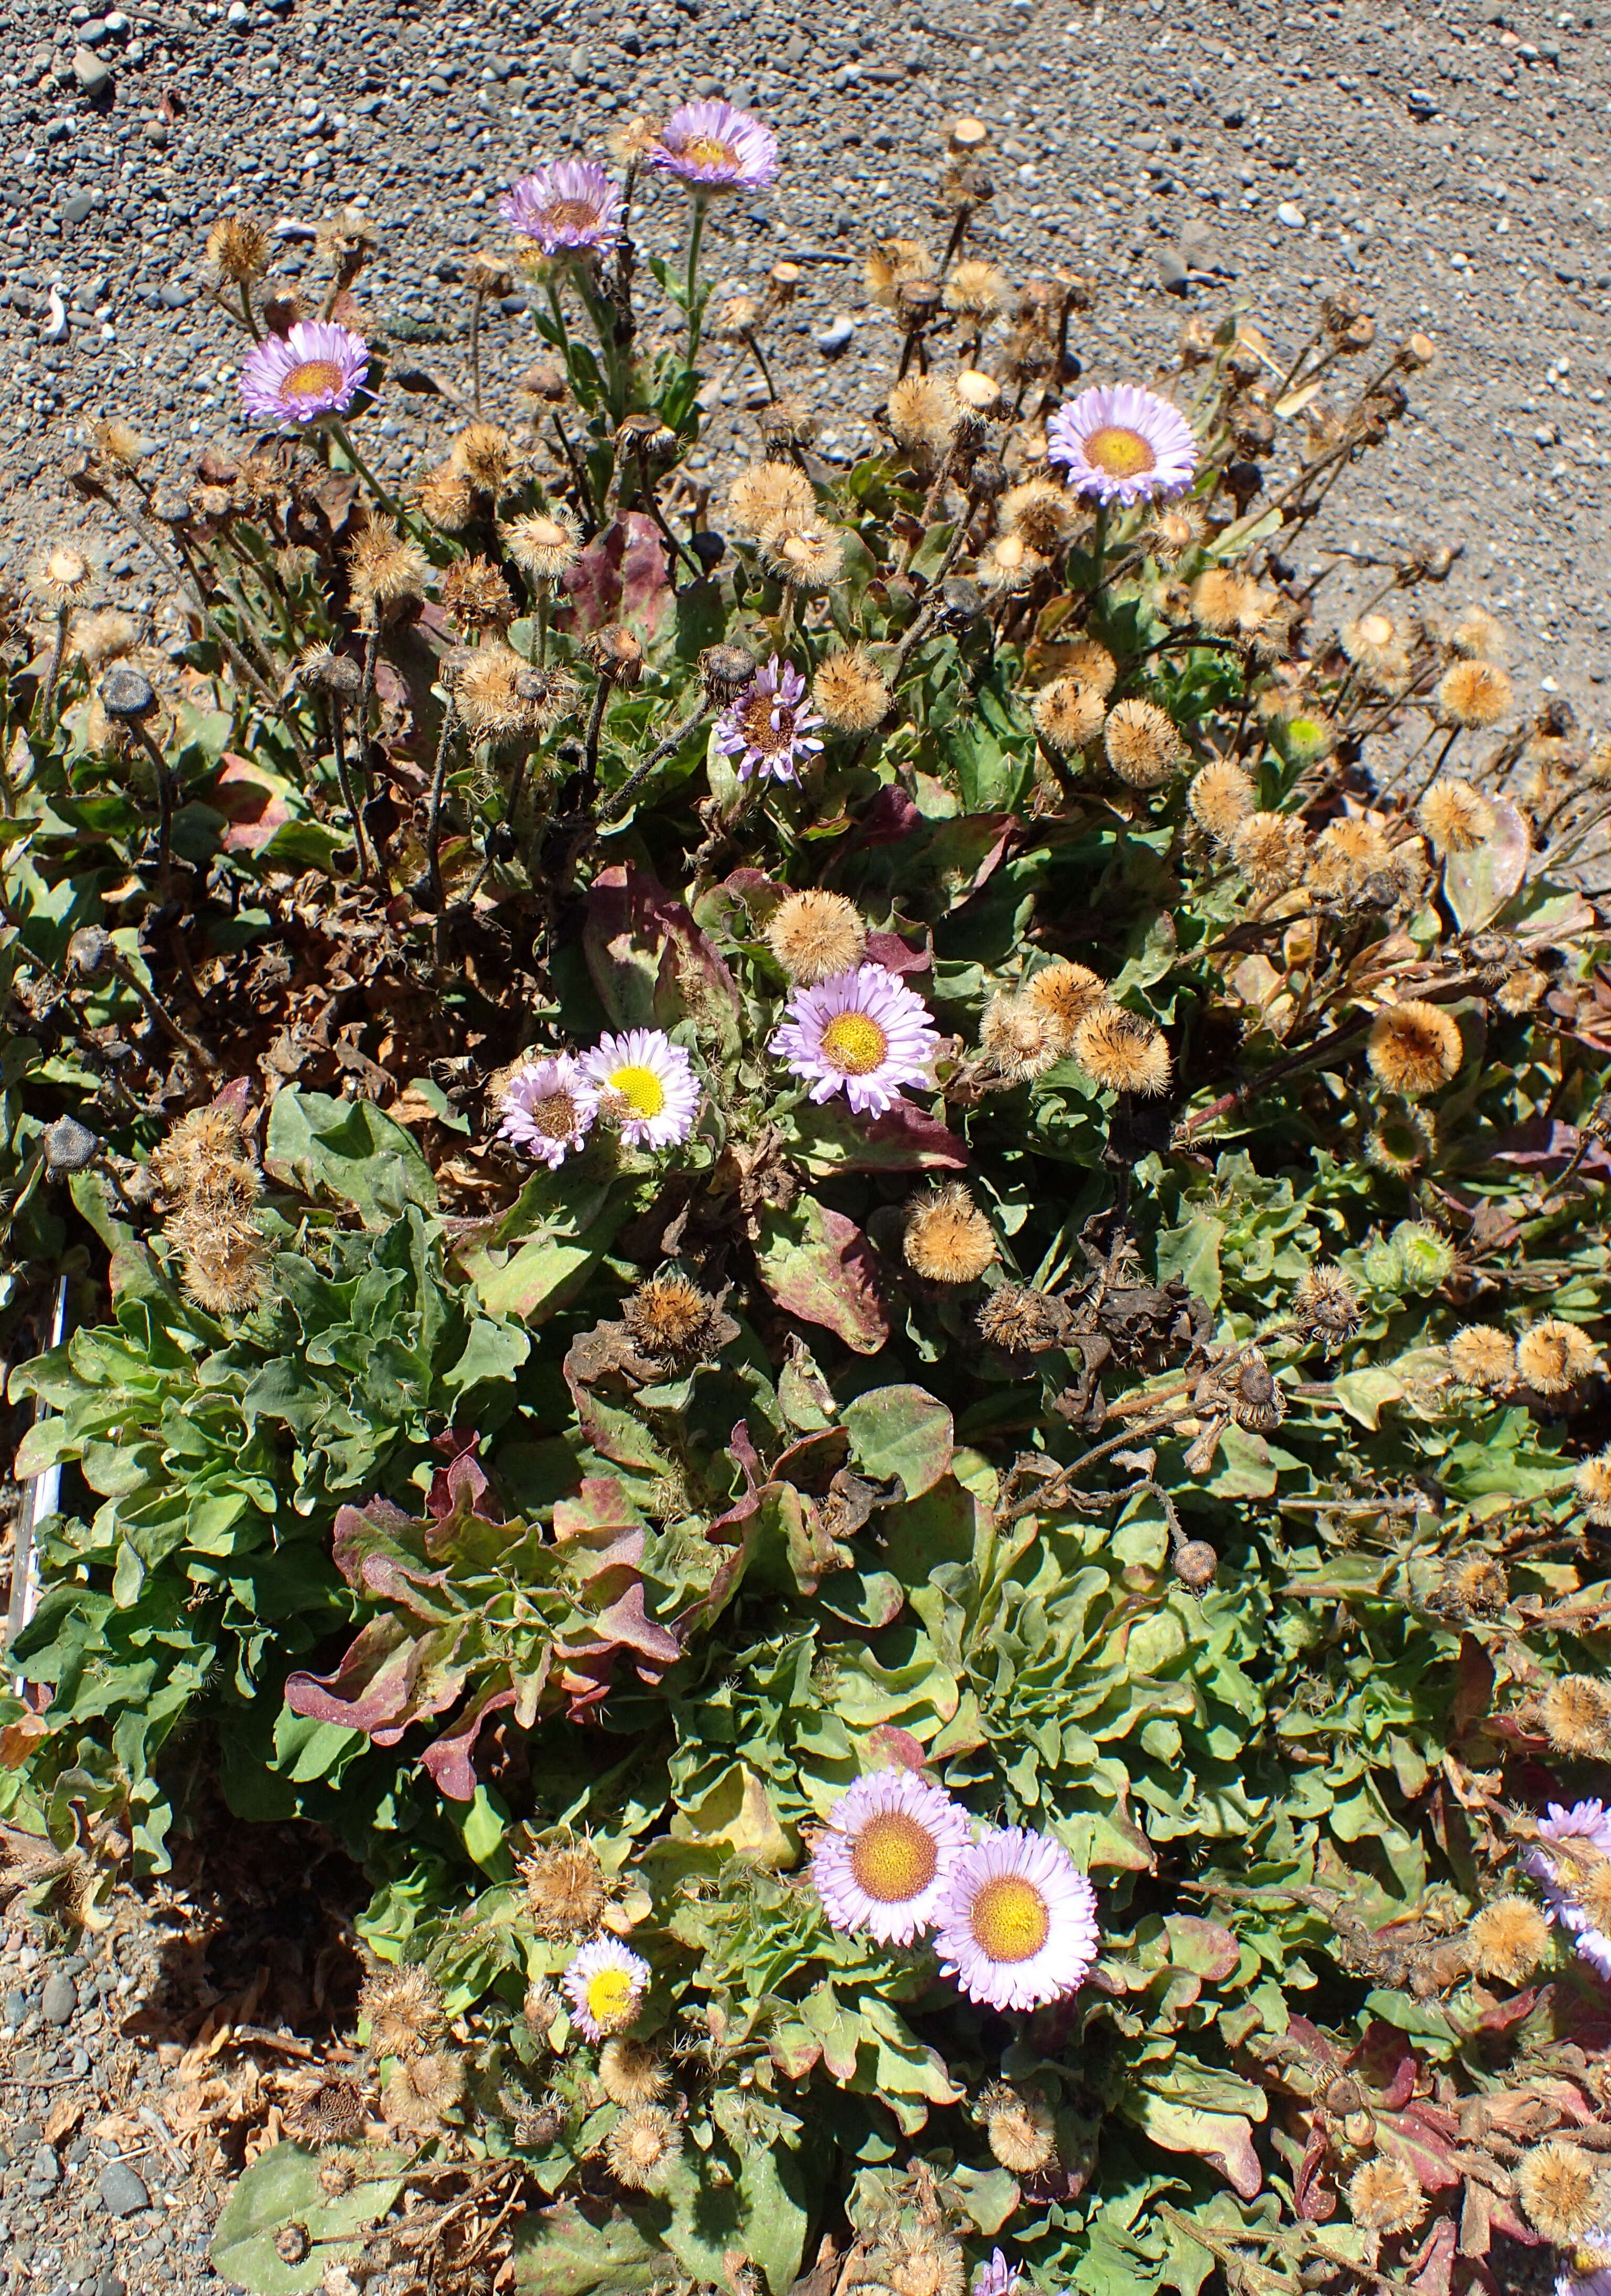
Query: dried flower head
x=225, y=1272
x=980, y=394
x=98, y=638
x=1456, y=818
x=1122, y=1050
x=485, y=455
x=948, y=1239
x=922, y=2262
x=1476, y=1582
x=567, y=1889
x=1575, y=1710
x=403, y=2010
x=1350, y=858
x=336, y=2109
x=1007, y=565
x=1481, y=1356
x=116, y=442
x=1142, y=743
x=545, y=543
x=1553, y=1355
x=1375, y=645
x=671, y=1318
x=1592, y=1484
x=1474, y=693
x=204, y=1161
x=62, y=577
x=475, y=596
x=1068, y=715
x=1326, y=1305
x=1047, y=517
x=976, y=290
x=490, y=694
x=849, y=692
x=1270, y=849
x=809, y=554
x=1064, y=993
x=924, y=415
x=1508, y=1939
x=1019, y=1320
x=1020, y=2128
x=630, y=2073
x=1563, y=2188
x=894, y=264
x=237, y=249
x=1385, y=2196
x=1019, y=1038
x=767, y=496
x=1413, y=1048
x=1522, y=991
x=814, y=935
x=1229, y=604
x=1220, y=797
x=385, y=567
x=1478, y=634
x=446, y=498
x=422, y=2091
x=1177, y=529
x=642, y=2147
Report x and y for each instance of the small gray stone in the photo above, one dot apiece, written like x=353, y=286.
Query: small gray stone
x=175, y=297
x=122, y=2193
x=59, y=2001
x=1173, y=275
x=93, y=33
x=836, y=336
x=75, y=208
x=109, y=2285
x=92, y=75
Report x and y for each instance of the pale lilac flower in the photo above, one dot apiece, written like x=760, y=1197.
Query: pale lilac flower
x=1589, y=1822
x=1122, y=445
x=884, y=1863
x=570, y=203
x=767, y=726
x=861, y=1033
x=604, y=1985
x=997, y=2278
x=713, y=147
x=1018, y=1924
x=548, y=1108
x=644, y=1086
x=1597, y=2280
x=313, y=370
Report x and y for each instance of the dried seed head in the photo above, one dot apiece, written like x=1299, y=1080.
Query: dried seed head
x=97, y=639
x=1221, y=798
x=1376, y=646
x=63, y=576
x=422, y=2091
x=1351, y=856
x=1563, y=2188
x=292, y=2243
x=446, y=498
x=1456, y=818
x=1006, y=566
x=980, y=393
x=475, y=596
x=1326, y=1304
x=1385, y=2196
x=237, y=249
x=1019, y=1320
x=1256, y=1402
x=768, y=496
x=814, y=935
x=384, y=567
x=976, y=290
x=1475, y=693
x=1234, y=605
x=1064, y=993
x=489, y=693
x=1553, y=1355
x=1270, y=849
x=642, y=2147
x=403, y=2008
x=204, y=1162
x=672, y=1318
x=1477, y=634
x=1481, y=1356
x=785, y=423
x=1597, y=765
x=1046, y=517
x=1121, y=1051
x=894, y=264
x=566, y=1890
x=484, y=454
x=924, y=414
x=335, y=2109
x=809, y=555
x=1576, y=1714
x=1176, y=531
x=1413, y=1048
x=1592, y=1484
x=1020, y=2129
x=116, y=442
x=849, y=692
x=1019, y=1037
x=948, y=1239
x=1521, y=991
x=545, y=543
x=1068, y=715
x=1195, y=1563
x=630, y=2073
x=924, y=2263
x=1143, y=743
x=1476, y=1582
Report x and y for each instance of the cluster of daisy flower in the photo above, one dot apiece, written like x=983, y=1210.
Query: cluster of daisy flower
x=1013, y=1920
x=642, y=1084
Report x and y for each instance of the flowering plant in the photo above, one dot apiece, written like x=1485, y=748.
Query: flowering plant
x=839, y=1261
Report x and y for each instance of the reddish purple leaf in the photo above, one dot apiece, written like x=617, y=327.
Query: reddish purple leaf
x=621, y=576
x=818, y=1265
x=450, y=1759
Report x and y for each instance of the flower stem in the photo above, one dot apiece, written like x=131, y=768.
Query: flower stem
x=475, y=350
x=692, y=304
x=433, y=835
x=47, y=694
x=339, y=428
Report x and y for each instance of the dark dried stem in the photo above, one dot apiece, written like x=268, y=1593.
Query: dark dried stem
x=53, y=671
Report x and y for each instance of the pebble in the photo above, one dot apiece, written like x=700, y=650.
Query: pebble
x=59, y=2001
x=92, y=74
x=122, y=2192
x=1291, y=214
x=837, y=335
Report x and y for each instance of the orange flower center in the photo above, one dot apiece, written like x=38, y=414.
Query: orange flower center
x=554, y=1116
x=1122, y=453
x=571, y=215
x=309, y=378
x=756, y=718
x=894, y=1857
x=853, y=1043
x=1009, y=1918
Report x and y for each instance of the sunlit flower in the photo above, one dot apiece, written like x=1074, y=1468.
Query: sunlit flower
x=570, y=203
x=605, y=1985
x=767, y=728
x=862, y=1033
x=548, y=1108
x=1017, y=1925
x=1414, y=1048
x=997, y=2277
x=948, y=1238
x=646, y=1088
x=886, y=1857
x=313, y=370
x=713, y=146
x=1122, y=444
x=1577, y=1842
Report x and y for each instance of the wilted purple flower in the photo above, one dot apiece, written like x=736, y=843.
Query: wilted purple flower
x=714, y=147
x=313, y=370
x=1122, y=445
x=566, y=204
x=767, y=727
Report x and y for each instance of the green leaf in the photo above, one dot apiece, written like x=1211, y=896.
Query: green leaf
x=279, y=2188
x=818, y=1265
x=347, y=1150
x=901, y=1431
x=561, y=2252
x=1477, y=885
x=1192, y=1252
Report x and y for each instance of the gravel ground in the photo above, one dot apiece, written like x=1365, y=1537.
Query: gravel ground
x=1443, y=158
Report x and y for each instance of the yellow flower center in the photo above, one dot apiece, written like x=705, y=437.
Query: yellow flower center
x=1120, y=452
x=308, y=378
x=707, y=152
x=554, y=1116
x=894, y=1857
x=1009, y=1918
x=611, y=1999
x=639, y=1087
x=853, y=1043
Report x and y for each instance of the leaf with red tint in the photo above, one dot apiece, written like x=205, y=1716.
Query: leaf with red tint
x=375, y=1688
x=620, y=577
x=252, y=801
x=902, y=1140
x=818, y=1265
x=462, y=1484
x=898, y=956
x=449, y=1758
x=650, y=962
x=897, y=1747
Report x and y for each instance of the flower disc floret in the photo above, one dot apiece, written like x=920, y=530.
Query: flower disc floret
x=861, y=1033
x=315, y=369
x=768, y=727
x=548, y=1108
x=1018, y=1924
x=713, y=146
x=886, y=1859
x=605, y=1985
x=566, y=205
x=645, y=1087
x=1122, y=445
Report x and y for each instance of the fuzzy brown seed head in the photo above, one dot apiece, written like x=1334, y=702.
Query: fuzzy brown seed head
x=1522, y=991
x=62, y=576
x=1474, y=693
x=1234, y=605
x=403, y=2008
x=976, y=290
x=1413, y=1048
x=116, y=442
x=1256, y=1402
x=490, y=694
x=1221, y=798
x=670, y=1317
x=733, y=318
x=1477, y=636
x=337, y=2175
x=1064, y=993
x=1576, y=1714
x=385, y=567
x=1563, y=2189
x=1592, y=1484
x=630, y=2073
x=422, y=2091
x=1194, y=1564
x=849, y=692
x=1553, y=1355
x=924, y=2263
x=1019, y=1039
x=1068, y=715
x=642, y=2147
x=1046, y=516
x=1006, y=566
x=1349, y=858
x=814, y=935
x=226, y=1272
x=1386, y=2195
x=98, y=638
x=808, y=554
x=1020, y=2129
x=545, y=543
x=1121, y=1051
x=767, y=496
x=1455, y=817
x=484, y=454
x=1376, y=646
x=237, y=249
x=1019, y=1320
x=980, y=393
x=566, y=1890
x=292, y=2243
x=205, y=1164
x=446, y=498
x=1326, y=1304
x=1481, y=1356
x=1142, y=743
x=1270, y=849
x=475, y=596
x=948, y=1239
x=894, y=264
x=1476, y=1582
x=725, y=671
x=924, y=415
x=335, y=2109
x=785, y=423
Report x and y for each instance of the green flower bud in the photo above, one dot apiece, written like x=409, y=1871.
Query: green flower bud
x=1383, y=1269
x=1426, y=1257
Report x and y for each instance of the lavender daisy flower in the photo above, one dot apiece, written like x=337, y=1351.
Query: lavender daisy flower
x=886, y=1859
x=1581, y=1841
x=1017, y=1925
x=645, y=1085
x=1122, y=445
x=315, y=369
x=996, y=2278
x=862, y=1033
x=604, y=1985
x=714, y=147
x=1588, y=2279
x=568, y=203
x=548, y=1108
x=767, y=726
